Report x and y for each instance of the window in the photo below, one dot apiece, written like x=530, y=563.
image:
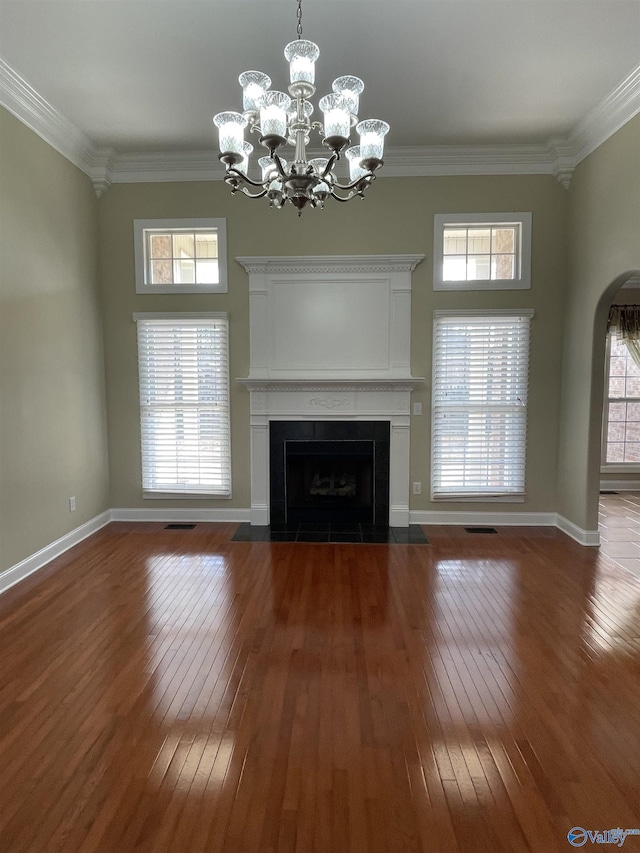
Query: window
x=180, y=255
x=480, y=378
x=184, y=404
x=621, y=433
x=482, y=251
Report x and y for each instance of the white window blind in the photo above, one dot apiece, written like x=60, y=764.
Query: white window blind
x=184, y=404
x=480, y=379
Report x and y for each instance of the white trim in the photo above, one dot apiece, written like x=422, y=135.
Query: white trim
x=483, y=519
x=522, y=254
x=50, y=552
x=558, y=157
x=142, y=226
x=582, y=537
x=170, y=514
x=608, y=116
x=588, y=538
x=326, y=264
x=620, y=485
x=484, y=312
x=180, y=315
x=26, y=104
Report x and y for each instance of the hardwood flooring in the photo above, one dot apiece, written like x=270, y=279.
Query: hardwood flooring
x=175, y=691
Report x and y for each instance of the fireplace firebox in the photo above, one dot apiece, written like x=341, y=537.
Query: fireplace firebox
x=329, y=472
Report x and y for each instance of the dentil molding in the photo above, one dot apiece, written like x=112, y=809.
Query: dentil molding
x=558, y=156
x=327, y=264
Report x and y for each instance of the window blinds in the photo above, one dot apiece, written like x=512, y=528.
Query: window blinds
x=184, y=404
x=480, y=383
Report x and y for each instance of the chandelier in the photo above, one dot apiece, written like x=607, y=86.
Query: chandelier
x=283, y=119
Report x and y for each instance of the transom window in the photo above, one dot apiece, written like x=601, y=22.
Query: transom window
x=621, y=433
x=482, y=251
x=180, y=256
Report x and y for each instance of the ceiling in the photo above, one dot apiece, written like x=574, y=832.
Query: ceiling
x=148, y=75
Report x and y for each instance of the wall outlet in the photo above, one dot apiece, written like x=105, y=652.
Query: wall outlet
x=417, y=408
x=417, y=488
x=72, y=504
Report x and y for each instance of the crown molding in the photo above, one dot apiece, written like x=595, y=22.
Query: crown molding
x=21, y=99
x=558, y=157
x=607, y=117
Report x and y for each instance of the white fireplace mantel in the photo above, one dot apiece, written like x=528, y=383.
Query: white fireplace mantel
x=331, y=340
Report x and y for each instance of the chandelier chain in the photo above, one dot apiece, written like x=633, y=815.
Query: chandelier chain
x=299, y=16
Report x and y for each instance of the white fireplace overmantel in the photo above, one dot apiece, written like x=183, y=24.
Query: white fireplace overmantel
x=331, y=340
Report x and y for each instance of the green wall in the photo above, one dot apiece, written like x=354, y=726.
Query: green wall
x=604, y=217
x=396, y=217
x=52, y=393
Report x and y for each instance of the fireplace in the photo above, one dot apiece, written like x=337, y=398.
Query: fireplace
x=330, y=347
x=329, y=472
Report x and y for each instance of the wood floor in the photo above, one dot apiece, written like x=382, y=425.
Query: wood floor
x=175, y=691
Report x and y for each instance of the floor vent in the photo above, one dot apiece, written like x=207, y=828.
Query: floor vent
x=179, y=526
x=481, y=530
x=608, y=493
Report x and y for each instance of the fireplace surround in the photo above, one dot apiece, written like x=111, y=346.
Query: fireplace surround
x=330, y=344
x=329, y=472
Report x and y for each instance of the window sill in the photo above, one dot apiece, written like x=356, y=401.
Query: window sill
x=184, y=288
x=511, y=499
x=186, y=496
x=483, y=284
x=628, y=468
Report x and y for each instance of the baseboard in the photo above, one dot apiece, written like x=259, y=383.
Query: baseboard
x=36, y=561
x=620, y=485
x=508, y=519
x=484, y=519
x=169, y=514
x=582, y=537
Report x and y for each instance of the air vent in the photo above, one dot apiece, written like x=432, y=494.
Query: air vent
x=179, y=526
x=481, y=530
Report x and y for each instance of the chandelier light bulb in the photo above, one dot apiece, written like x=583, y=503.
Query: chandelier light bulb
x=337, y=116
x=372, y=133
x=254, y=85
x=269, y=168
x=243, y=165
x=274, y=107
x=230, y=131
x=355, y=169
x=301, y=56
